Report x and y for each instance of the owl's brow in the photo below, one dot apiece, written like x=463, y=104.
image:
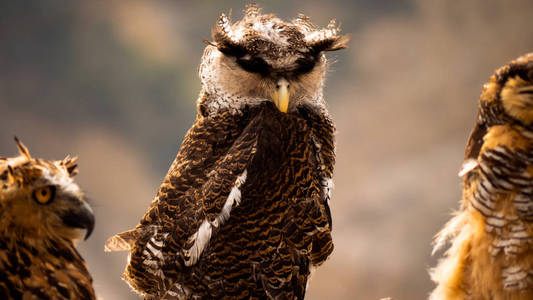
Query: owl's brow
x=231, y=49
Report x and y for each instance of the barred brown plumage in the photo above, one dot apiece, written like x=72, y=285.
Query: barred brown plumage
x=492, y=234
x=42, y=211
x=243, y=212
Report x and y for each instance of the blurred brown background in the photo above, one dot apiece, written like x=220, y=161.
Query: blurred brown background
x=115, y=82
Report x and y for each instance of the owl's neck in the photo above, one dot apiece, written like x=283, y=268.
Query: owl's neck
x=209, y=104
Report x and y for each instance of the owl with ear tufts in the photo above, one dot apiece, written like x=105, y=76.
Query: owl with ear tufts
x=42, y=214
x=491, y=254
x=243, y=212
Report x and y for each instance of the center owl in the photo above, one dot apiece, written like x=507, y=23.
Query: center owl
x=243, y=212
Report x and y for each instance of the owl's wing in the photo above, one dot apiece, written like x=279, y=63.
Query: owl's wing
x=221, y=191
x=312, y=217
x=322, y=136
x=196, y=196
x=473, y=147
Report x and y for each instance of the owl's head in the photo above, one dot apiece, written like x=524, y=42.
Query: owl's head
x=510, y=92
x=506, y=99
x=39, y=199
x=262, y=58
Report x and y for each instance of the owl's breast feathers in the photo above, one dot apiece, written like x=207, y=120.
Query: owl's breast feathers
x=33, y=271
x=493, y=236
x=243, y=210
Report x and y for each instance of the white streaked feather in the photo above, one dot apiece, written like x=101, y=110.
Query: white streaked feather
x=451, y=229
x=234, y=199
x=496, y=222
x=327, y=184
x=446, y=267
x=160, y=242
x=157, y=253
x=467, y=166
x=201, y=238
x=63, y=180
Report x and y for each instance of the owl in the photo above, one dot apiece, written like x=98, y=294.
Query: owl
x=42, y=214
x=491, y=253
x=243, y=212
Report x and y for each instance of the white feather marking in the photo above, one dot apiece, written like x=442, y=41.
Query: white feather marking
x=513, y=277
x=63, y=180
x=200, y=238
x=468, y=165
x=157, y=243
x=459, y=228
x=159, y=273
x=495, y=222
x=157, y=253
x=527, y=133
x=450, y=230
x=327, y=184
x=323, y=34
x=233, y=200
x=484, y=193
x=521, y=199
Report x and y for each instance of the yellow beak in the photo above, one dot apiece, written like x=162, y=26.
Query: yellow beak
x=281, y=95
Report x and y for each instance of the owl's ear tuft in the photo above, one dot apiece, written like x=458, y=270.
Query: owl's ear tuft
x=71, y=165
x=23, y=150
x=252, y=10
x=231, y=49
x=222, y=35
x=330, y=44
x=326, y=39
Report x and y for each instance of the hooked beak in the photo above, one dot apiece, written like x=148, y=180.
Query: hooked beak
x=281, y=95
x=80, y=217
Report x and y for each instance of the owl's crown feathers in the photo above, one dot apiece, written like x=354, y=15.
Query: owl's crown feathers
x=24, y=168
x=256, y=32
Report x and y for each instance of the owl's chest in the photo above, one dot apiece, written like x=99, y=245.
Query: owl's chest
x=501, y=194
x=284, y=172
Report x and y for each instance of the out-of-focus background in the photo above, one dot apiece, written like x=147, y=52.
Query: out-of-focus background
x=115, y=82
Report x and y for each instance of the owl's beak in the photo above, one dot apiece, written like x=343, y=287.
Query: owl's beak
x=79, y=216
x=280, y=96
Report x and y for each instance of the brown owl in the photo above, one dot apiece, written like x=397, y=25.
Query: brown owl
x=491, y=256
x=42, y=213
x=243, y=212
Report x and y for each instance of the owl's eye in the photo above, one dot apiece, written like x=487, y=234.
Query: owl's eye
x=253, y=64
x=44, y=195
x=305, y=65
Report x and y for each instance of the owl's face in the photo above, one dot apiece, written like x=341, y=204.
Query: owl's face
x=517, y=91
x=262, y=58
x=512, y=88
x=506, y=98
x=40, y=200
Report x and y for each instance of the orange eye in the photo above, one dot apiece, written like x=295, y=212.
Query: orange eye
x=44, y=195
